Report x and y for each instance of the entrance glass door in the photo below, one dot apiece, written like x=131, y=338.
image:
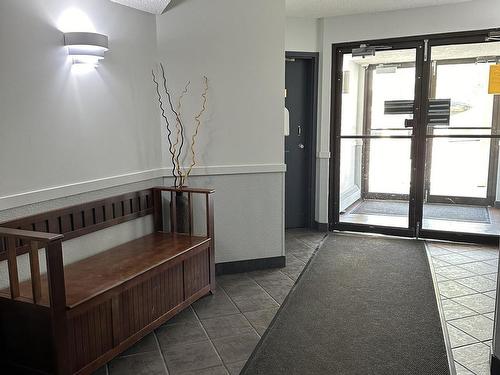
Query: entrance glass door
x=461, y=169
x=415, y=137
x=376, y=136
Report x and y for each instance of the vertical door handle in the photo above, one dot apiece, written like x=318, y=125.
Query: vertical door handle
x=299, y=130
x=410, y=123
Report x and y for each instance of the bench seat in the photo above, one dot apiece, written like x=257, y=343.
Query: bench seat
x=100, y=273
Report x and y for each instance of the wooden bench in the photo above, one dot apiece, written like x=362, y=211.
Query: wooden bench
x=75, y=318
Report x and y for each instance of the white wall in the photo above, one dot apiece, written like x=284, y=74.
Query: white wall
x=301, y=34
x=474, y=15
x=69, y=138
x=239, y=45
x=58, y=127
x=65, y=133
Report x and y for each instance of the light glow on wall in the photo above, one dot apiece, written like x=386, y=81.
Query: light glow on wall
x=75, y=20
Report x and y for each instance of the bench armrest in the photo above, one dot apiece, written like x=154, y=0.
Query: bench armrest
x=30, y=235
x=54, y=260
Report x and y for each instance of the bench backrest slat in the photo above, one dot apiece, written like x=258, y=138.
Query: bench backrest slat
x=36, y=284
x=82, y=219
x=12, y=267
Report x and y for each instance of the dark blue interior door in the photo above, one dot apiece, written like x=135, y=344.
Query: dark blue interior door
x=297, y=144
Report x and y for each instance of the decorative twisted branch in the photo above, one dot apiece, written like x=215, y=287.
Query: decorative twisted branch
x=178, y=128
x=175, y=148
x=177, y=118
x=169, y=132
x=197, y=128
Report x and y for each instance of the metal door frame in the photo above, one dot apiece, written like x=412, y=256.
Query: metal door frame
x=419, y=150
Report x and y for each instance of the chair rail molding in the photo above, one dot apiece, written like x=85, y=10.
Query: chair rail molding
x=56, y=192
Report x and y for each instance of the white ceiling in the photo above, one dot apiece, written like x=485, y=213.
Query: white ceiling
x=332, y=8
x=314, y=8
x=150, y=6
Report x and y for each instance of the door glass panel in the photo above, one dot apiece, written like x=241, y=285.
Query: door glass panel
x=390, y=207
x=461, y=171
x=459, y=167
x=393, y=89
x=389, y=155
x=471, y=105
x=376, y=138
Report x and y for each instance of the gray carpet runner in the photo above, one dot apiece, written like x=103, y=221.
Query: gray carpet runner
x=364, y=305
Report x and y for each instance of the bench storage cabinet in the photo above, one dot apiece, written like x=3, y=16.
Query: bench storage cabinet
x=75, y=318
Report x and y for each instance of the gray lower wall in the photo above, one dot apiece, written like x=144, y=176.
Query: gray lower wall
x=249, y=219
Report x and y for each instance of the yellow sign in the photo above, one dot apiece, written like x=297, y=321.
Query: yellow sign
x=494, y=86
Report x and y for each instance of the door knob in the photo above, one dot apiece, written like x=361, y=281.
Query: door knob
x=301, y=145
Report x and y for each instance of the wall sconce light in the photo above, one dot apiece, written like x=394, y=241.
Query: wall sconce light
x=86, y=48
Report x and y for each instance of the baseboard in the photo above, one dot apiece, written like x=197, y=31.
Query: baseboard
x=249, y=265
x=321, y=227
x=495, y=365
x=496, y=204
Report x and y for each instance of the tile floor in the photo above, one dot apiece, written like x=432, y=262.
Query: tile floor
x=219, y=332
x=466, y=277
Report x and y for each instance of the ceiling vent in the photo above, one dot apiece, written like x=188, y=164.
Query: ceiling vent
x=150, y=6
